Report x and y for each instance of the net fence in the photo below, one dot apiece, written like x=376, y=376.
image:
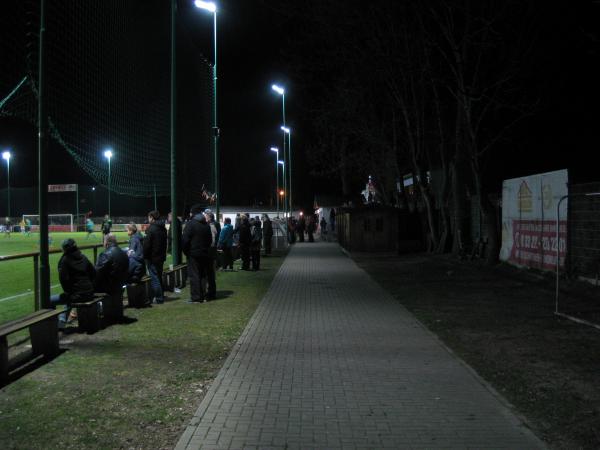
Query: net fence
x=108, y=86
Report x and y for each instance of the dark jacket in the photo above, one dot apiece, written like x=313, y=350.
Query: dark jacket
x=137, y=268
x=155, y=243
x=76, y=274
x=226, y=236
x=256, y=234
x=197, y=237
x=268, y=229
x=112, y=270
x=244, y=233
x=136, y=244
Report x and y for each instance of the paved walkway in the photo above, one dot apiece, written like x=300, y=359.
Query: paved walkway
x=330, y=360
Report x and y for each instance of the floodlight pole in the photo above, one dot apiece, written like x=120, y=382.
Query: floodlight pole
x=215, y=126
x=7, y=158
x=44, y=266
x=284, y=156
x=109, y=187
x=174, y=228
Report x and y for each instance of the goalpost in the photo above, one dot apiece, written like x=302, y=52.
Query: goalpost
x=56, y=222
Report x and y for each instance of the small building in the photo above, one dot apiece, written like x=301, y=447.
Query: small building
x=370, y=228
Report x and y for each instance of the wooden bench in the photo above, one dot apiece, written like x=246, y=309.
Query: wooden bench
x=43, y=330
x=112, y=307
x=138, y=293
x=180, y=275
x=89, y=313
x=168, y=280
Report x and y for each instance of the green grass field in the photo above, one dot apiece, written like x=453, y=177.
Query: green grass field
x=16, y=276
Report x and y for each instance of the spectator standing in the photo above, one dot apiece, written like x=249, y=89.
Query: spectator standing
x=155, y=254
x=226, y=243
x=301, y=228
x=267, y=234
x=76, y=274
x=135, y=253
x=256, y=236
x=245, y=240
x=196, y=242
x=323, y=226
x=332, y=214
x=310, y=228
x=215, y=231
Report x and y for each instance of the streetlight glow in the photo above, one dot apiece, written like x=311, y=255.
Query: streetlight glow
x=6, y=155
x=282, y=193
x=209, y=6
x=108, y=154
x=278, y=89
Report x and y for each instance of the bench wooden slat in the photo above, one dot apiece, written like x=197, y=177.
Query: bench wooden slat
x=27, y=321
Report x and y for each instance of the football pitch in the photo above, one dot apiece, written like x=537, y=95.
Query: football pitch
x=16, y=276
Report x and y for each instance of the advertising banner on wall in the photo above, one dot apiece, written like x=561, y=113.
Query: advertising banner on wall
x=529, y=219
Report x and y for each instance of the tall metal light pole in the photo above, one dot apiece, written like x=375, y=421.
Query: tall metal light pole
x=212, y=7
x=108, y=154
x=276, y=150
x=42, y=123
x=288, y=131
x=174, y=229
x=281, y=91
x=6, y=156
x=282, y=193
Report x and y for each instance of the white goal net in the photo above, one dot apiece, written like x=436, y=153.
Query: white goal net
x=56, y=222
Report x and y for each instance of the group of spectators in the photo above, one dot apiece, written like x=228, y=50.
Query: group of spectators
x=115, y=267
x=306, y=227
x=207, y=246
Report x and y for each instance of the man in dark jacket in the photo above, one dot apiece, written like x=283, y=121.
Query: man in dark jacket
x=267, y=234
x=245, y=240
x=112, y=271
x=112, y=267
x=155, y=253
x=196, y=242
x=215, y=230
x=76, y=274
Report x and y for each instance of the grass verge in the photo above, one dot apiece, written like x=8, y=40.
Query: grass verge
x=500, y=321
x=135, y=385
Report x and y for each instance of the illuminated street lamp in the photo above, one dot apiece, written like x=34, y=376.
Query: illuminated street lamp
x=108, y=154
x=6, y=156
x=288, y=131
x=212, y=7
x=276, y=150
x=281, y=91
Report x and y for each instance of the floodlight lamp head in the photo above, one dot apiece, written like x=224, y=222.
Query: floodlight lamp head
x=286, y=129
x=278, y=89
x=108, y=154
x=209, y=6
x=274, y=149
x=6, y=155
x=280, y=162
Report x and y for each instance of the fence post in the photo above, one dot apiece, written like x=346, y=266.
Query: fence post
x=36, y=293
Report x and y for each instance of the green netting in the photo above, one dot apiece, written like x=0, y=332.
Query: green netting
x=108, y=86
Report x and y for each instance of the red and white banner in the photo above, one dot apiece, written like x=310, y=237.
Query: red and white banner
x=529, y=219
x=62, y=187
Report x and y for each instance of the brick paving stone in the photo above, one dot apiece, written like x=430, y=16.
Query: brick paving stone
x=331, y=360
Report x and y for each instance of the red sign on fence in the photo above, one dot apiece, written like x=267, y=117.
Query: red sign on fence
x=535, y=243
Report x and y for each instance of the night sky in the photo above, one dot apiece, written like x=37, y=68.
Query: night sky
x=256, y=49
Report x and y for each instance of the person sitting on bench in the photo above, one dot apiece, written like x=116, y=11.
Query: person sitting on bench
x=135, y=252
x=76, y=274
x=112, y=268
